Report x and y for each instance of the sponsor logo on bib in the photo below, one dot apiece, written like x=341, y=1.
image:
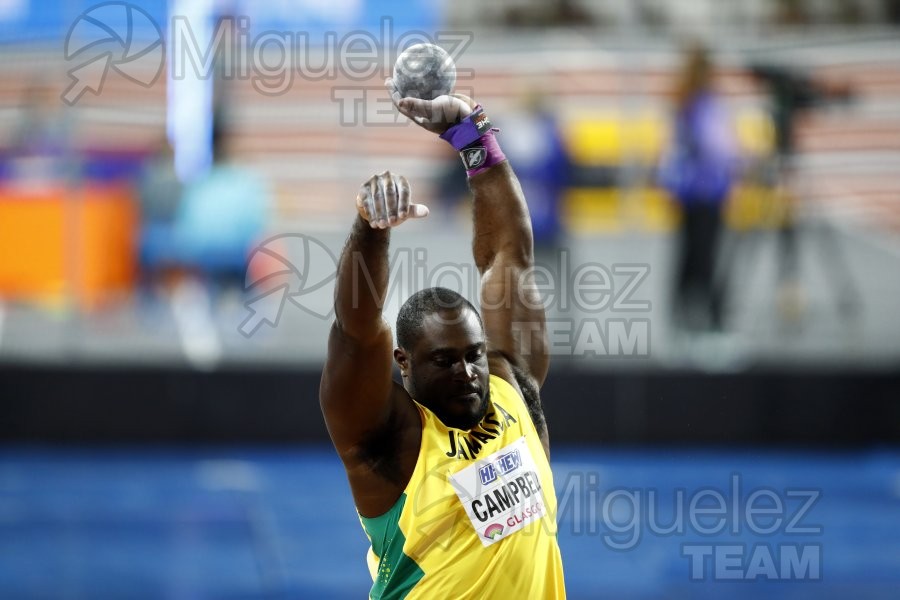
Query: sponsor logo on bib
x=493, y=531
x=501, y=493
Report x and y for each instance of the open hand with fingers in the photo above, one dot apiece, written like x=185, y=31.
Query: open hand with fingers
x=383, y=201
x=437, y=115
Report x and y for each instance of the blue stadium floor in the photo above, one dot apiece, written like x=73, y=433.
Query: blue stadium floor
x=235, y=523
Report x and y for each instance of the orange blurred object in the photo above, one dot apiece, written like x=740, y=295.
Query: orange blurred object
x=61, y=246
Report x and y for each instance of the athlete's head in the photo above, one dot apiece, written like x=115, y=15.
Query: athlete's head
x=443, y=357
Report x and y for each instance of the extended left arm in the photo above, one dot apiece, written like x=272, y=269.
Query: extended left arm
x=502, y=246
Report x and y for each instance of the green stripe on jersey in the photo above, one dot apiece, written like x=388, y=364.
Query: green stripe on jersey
x=397, y=573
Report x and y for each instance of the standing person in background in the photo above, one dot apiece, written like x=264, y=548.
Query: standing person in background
x=698, y=171
x=534, y=144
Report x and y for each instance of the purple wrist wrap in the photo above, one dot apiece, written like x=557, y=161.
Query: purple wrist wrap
x=473, y=138
x=468, y=130
x=482, y=155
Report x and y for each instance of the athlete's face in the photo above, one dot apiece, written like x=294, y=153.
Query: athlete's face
x=447, y=369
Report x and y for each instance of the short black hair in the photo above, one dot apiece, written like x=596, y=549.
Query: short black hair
x=426, y=302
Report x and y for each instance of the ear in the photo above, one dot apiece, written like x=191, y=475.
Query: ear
x=402, y=360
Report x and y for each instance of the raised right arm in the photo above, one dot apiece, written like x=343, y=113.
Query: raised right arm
x=364, y=408
x=357, y=388
x=356, y=382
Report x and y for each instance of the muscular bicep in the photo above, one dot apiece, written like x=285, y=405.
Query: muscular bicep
x=502, y=246
x=514, y=318
x=356, y=389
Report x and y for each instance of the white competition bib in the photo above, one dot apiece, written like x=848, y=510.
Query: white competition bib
x=501, y=492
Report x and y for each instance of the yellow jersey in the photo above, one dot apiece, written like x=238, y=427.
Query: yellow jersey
x=478, y=516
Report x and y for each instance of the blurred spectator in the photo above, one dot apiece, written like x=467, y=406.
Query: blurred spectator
x=223, y=214
x=698, y=170
x=533, y=143
x=206, y=228
x=197, y=240
x=159, y=193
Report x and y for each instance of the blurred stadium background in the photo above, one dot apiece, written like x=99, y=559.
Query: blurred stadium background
x=162, y=439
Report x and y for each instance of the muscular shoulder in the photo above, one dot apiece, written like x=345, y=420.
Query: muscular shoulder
x=527, y=388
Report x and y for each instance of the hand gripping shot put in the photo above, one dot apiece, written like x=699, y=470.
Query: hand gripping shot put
x=449, y=470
